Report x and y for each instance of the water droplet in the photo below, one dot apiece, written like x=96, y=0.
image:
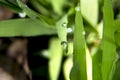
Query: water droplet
x=69, y=30
x=45, y=53
x=65, y=46
x=83, y=33
x=22, y=14
x=64, y=24
x=117, y=56
x=77, y=8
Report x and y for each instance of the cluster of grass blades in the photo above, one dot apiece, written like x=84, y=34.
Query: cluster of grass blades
x=102, y=62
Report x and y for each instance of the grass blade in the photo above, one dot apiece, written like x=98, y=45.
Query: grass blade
x=11, y=5
x=55, y=53
x=90, y=15
x=24, y=27
x=117, y=25
x=117, y=71
x=109, y=48
x=34, y=15
x=96, y=63
x=117, y=38
x=57, y=5
x=61, y=27
x=79, y=71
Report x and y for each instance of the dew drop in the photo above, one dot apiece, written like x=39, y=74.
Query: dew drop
x=45, y=53
x=22, y=14
x=64, y=24
x=69, y=30
x=83, y=33
x=77, y=8
x=64, y=46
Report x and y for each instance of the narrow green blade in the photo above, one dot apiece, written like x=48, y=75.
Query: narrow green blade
x=79, y=71
x=90, y=15
x=57, y=5
x=96, y=63
x=24, y=27
x=117, y=32
x=108, y=42
x=117, y=71
x=117, y=38
x=117, y=25
x=34, y=15
x=55, y=53
x=10, y=4
x=61, y=27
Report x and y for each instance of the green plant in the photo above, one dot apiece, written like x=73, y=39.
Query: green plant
x=95, y=51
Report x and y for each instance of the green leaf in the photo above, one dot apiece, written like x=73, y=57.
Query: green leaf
x=89, y=10
x=34, y=15
x=117, y=71
x=117, y=32
x=10, y=4
x=55, y=58
x=61, y=27
x=37, y=4
x=24, y=27
x=117, y=25
x=96, y=63
x=57, y=5
x=117, y=38
x=79, y=71
x=67, y=67
x=108, y=42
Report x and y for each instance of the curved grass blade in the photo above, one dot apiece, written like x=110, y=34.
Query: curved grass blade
x=24, y=27
x=12, y=2
x=117, y=71
x=34, y=15
x=57, y=5
x=117, y=38
x=67, y=67
x=117, y=25
x=61, y=27
x=79, y=71
x=55, y=55
x=109, y=49
x=96, y=63
x=117, y=32
x=116, y=75
x=12, y=6
x=29, y=12
x=37, y=4
x=90, y=15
